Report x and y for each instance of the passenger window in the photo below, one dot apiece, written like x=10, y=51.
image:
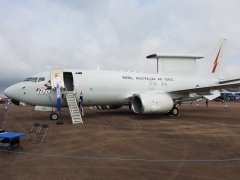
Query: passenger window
x=34, y=79
x=41, y=79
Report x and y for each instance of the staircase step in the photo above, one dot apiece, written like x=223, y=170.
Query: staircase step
x=73, y=108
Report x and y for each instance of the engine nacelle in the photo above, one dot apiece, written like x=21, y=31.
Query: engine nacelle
x=151, y=103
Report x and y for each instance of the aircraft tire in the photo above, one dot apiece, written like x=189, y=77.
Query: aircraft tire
x=174, y=111
x=54, y=116
x=59, y=122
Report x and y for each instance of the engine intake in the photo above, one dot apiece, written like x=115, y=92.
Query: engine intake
x=151, y=103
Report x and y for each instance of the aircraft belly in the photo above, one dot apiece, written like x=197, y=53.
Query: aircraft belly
x=103, y=99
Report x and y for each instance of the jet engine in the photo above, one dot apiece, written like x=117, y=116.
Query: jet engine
x=152, y=103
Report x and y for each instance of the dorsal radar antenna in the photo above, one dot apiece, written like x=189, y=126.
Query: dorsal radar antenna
x=168, y=60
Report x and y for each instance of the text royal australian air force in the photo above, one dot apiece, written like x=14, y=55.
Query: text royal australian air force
x=142, y=78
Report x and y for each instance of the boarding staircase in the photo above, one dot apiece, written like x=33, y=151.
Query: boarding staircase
x=73, y=108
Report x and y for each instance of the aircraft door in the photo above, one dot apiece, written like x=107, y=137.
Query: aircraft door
x=57, y=77
x=68, y=81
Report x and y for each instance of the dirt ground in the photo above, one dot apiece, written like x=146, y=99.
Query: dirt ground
x=200, y=143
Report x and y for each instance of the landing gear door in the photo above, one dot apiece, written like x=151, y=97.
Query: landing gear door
x=57, y=77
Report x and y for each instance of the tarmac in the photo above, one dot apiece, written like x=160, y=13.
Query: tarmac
x=200, y=143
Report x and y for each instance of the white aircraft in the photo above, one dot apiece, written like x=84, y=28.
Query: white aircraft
x=146, y=93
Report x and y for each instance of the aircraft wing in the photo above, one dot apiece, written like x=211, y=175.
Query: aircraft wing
x=209, y=89
x=209, y=92
x=229, y=81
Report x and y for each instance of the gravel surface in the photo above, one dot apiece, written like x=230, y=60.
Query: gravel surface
x=200, y=143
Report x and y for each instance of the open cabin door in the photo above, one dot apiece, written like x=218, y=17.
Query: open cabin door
x=57, y=77
x=68, y=81
x=65, y=79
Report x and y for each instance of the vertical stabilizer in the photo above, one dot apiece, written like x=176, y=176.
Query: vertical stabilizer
x=216, y=60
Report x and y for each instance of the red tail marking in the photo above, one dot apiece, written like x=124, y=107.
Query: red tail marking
x=216, y=61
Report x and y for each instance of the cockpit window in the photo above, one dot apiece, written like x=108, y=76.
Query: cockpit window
x=28, y=79
x=34, y=79
x=41, y=79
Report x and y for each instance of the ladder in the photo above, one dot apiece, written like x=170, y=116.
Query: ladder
x=73, y=108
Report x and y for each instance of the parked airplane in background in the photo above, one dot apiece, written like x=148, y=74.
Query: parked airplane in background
x=146, y=93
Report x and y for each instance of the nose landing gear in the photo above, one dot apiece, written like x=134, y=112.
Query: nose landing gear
x=54, y=116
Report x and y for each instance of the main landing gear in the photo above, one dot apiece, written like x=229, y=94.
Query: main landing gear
x=174, y=111
x=54, y=116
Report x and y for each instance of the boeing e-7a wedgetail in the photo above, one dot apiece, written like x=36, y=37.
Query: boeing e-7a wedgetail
x=144, y=92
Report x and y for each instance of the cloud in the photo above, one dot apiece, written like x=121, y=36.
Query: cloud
x=38, y=35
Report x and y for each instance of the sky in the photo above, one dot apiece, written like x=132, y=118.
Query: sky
x=36, y=36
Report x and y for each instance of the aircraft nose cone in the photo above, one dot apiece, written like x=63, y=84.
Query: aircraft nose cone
x=7, y=92
x=11, y=92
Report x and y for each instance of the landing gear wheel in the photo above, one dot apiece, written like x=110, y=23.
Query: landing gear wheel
x=175, y=111
x=54, y=116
